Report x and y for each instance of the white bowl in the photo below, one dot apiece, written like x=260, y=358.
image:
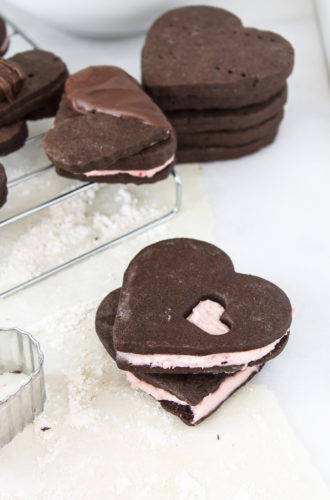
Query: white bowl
x=98, y=18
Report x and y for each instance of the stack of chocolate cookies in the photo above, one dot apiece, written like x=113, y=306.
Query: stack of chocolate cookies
x=221, y=85
x=188, y=330
x=31, y=85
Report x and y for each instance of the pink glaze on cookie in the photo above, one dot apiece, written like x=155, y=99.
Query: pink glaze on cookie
x=170, y=361
x=135, y=173
x=209, y=403
x=207, y=316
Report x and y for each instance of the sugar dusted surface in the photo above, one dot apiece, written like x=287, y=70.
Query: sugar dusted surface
x=96, y=419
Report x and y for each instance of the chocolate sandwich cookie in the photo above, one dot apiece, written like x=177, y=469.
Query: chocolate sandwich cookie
x=3, y=186
x=189, y=154
x=108, y=130
x=184, y=309
x=12, y=137
x=192, y=121
x=4, y=39
x=191, y=397
x=40, y=75
x=202, y=57
x=230, y=137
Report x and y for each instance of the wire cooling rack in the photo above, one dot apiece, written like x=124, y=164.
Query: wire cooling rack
x=15, y=31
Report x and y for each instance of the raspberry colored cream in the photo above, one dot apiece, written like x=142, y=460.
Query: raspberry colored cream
x=136, y=173
x=209, y=403
x=169, y=361
x=207, y=315
x=156, y=392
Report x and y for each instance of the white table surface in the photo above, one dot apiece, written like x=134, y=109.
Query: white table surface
x=271, y=208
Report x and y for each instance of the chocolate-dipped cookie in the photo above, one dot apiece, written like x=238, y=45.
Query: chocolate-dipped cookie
x=191, y=397
x=12, y=137
x=108, y=130
x=32, y=80
x=4, y=39
x=204, y=57
x=184, y=309
x=3, y=186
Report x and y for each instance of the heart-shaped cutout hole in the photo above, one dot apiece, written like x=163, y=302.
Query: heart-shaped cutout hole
x=207, y=316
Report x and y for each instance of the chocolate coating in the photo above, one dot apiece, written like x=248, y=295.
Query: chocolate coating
x=110, y=90
x=166, y=280
x=12, y=78
x=205, y=51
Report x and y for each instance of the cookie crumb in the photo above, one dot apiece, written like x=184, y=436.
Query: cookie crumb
x=218, y=437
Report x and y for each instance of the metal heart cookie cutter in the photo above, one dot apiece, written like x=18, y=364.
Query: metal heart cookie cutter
x=20, y=353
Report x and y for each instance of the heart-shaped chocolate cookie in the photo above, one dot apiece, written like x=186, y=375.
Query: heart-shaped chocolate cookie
x=190, y=397
x=155, y=332
x=107, y=129
x=206, y=58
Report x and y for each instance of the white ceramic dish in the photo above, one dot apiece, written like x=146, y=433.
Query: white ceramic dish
x=99, y=18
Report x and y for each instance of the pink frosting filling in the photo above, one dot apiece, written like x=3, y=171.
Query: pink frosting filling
x=206, y=315
x=168, y=361
x=156, y=392
x=135, y=173
x=208, y=403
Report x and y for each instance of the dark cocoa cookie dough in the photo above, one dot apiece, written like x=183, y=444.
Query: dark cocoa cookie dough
x=214, y=153
x=106, y=123
x=229, y=137
x=231, y=119
x=12, y=137
x=191, y=389
x=204, y=57
x=3, y=186
x=162, y=285
x=49, y=109
x=4, y=40
x=46, y=74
